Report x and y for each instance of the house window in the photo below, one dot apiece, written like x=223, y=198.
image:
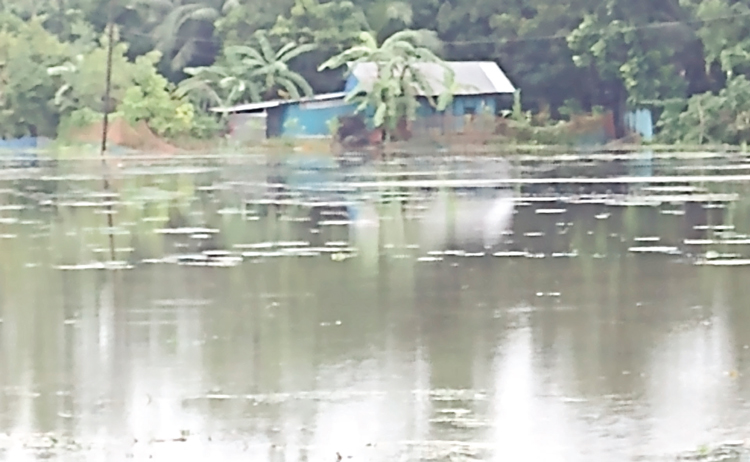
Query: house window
x=470, y=110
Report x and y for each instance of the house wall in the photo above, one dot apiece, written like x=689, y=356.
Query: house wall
x=641, y=122
x=247, y=126
x=474, y=104
x=467, y=105
x=275, y=122
x=20, y=152
x=312, y=119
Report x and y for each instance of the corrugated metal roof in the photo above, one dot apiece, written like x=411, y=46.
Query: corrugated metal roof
x=262, y=105
x=472, y=77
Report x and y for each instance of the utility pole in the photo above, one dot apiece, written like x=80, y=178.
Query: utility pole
x=105, y=127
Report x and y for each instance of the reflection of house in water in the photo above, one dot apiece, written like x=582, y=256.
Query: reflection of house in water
x=469, y=218
x=478, y=87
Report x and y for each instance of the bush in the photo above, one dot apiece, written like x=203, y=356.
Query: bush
x=709, y=118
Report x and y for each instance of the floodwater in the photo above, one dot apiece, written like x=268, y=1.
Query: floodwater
x=612, y=324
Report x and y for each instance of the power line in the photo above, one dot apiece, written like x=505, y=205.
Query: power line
x=654, y=25
x=502, y=41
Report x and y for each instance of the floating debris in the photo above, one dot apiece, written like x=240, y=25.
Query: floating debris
x=109, y=265
x=460, y=422
x=533, y=234
x=454, y=411
x=337, y=244
x=154, y=219
x=673, y=212
x=712, y=255
x=656, y=249
x=548, y=294
x=259, y=245
x=602, y=216
x=104, y=250
x=229, y=211
x=257, y=254
x=511, y=254
x=340, y=256
x=292, y=244
x=634, y=202
x=672, y=189
x=724, y=262
x=429, y=259
x=550, y=211
x=699, y=242
x=571, y=254
x=219, y=262
x=334, y=222
x=713, y=228
x=722, y=452
x=180, y=302
x=647, y=239
x=191, y=231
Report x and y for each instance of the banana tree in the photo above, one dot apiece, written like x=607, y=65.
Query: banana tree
x=271, y=68
x=218, y=85
x=248, y=73
x=401, y=77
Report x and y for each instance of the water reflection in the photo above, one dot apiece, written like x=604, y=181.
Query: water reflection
x=569, y=346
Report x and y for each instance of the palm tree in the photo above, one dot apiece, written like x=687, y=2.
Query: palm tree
x=271, y=67
x=399, y=79
x=183, y=28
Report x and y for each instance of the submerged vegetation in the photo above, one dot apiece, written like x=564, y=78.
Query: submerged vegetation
x=685, y=60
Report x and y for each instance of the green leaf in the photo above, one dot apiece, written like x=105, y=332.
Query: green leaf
x=380, y=113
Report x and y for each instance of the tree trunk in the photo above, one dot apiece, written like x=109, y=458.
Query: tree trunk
x=619, y=107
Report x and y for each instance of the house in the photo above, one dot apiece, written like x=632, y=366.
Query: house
x=478, y=84
x=301, y=118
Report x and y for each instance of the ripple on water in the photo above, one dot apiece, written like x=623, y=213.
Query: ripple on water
x=108, y=265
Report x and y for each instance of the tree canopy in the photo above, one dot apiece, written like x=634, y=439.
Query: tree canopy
x=677, y=57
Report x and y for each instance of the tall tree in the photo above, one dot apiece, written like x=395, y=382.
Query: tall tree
x=26, y=90
x=725, y=33
x=183, y=30
x=632, y=62
x=237, y=26
x=333, y=27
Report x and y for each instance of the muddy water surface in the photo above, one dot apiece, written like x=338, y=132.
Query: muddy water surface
x=610, y=326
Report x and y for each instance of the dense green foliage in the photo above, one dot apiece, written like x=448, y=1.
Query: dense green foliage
x=688, y=60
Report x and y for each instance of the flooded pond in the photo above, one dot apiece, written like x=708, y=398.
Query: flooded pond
x=252, y=313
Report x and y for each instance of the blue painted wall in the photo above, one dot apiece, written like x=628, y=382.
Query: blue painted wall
x=461, y=105
x=640, y=121
x=312, y=118
x=19, y=152
x=19, y=143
